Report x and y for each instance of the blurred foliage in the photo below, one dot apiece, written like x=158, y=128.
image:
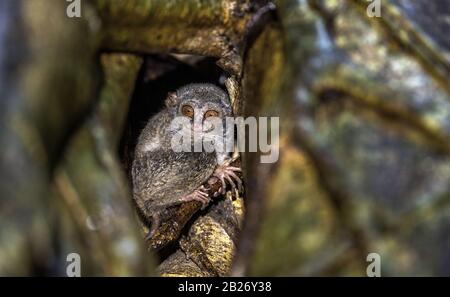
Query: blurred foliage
x=366, y=168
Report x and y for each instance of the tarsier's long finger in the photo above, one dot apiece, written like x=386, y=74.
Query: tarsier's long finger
x=202, y=188
x=237, y=179
x=204, y=200
x=230, y=180
x=233, y=168
x=224, y=185
x=202, y=193
x=203, y=197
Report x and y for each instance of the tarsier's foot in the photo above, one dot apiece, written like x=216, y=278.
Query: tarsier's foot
x=198, y=195
x=226, y=173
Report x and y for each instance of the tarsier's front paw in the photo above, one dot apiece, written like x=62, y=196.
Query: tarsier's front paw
x=226, y=173
x=198, y=195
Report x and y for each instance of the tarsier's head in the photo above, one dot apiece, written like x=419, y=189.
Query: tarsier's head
x=200, y=105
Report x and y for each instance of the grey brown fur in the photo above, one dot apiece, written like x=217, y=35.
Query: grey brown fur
x=162, y=177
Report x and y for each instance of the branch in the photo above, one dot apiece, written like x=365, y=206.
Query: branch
x=370, y=94
x=407, y=37
x=215, y=28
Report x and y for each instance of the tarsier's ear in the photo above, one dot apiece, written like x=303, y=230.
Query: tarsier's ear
x=171, y=100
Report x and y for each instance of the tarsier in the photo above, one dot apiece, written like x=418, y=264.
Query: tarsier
x=163, y=177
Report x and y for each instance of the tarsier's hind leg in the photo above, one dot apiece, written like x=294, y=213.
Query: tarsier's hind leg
x=156, y=221
x=153, y=210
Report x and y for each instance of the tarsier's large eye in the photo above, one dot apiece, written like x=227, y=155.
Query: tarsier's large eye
x=211, y=113
x=187, y=111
